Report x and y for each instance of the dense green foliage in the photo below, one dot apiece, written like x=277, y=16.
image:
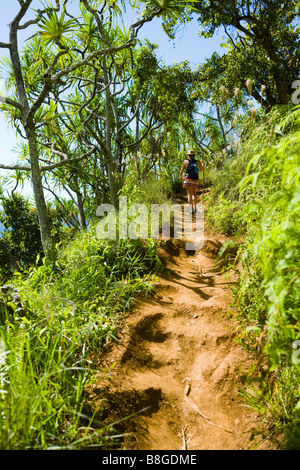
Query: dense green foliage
x=263, y=38
x=101, y=116
x=51, y=333
x=264, y=206
x=20, y=240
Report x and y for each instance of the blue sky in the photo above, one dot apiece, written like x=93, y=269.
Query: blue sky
x=187, y=46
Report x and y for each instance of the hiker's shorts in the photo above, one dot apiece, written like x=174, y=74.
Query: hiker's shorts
x=190, y=183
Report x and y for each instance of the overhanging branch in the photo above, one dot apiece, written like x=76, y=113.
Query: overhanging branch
x=5, y=45
x=14, y=103
x=51, y=166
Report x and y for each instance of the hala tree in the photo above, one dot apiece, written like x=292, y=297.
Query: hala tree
x=68, y=58
x=69, y=50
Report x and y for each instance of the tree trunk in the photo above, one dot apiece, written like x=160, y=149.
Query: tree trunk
x=81, y=210
x=119, y=156
x=108, y=133
x=47, y=242
x=153, y=160
x=221, y=126
x=137, y=148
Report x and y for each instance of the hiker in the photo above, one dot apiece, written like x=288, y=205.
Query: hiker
x=191, y=179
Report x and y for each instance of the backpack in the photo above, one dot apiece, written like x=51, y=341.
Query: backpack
x=192, y=170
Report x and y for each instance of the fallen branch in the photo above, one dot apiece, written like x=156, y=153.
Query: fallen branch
x=184, y=447
x=201, y=414
x=200, y=269
x=185, y=438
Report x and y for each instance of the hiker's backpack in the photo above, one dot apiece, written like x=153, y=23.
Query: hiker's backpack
x=192, y=170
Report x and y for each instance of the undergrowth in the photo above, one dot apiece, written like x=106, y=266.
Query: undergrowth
x=50, y=333
x=257, y=195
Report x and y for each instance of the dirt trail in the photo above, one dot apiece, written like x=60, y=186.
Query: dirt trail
x=178, y=358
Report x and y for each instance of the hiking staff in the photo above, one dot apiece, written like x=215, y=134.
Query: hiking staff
x=191, y=167
x=203, y=182
x=203, y=187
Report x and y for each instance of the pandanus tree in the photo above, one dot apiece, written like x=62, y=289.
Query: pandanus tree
x=55, y=73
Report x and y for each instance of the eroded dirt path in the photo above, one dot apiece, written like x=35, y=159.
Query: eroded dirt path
x=178, y=358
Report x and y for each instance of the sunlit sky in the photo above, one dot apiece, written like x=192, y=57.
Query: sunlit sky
x=187, y=46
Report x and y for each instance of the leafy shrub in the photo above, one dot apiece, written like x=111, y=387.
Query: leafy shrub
x=20, y=242
x=151, y=190
x=46, y=357
x=265, y=207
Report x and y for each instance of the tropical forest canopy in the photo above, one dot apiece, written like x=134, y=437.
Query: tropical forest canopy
x=101, y=116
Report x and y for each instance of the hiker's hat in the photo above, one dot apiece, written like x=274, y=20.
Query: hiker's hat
x=191, y=153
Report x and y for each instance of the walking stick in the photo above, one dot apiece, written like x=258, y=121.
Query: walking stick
x=203, y=188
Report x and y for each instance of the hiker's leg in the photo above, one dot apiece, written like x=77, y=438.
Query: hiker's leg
x=194, y=197
x=189, y=191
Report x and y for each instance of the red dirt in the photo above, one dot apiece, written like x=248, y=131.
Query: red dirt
x=178, y=361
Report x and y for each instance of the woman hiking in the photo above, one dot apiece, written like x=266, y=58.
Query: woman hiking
x=191, y=179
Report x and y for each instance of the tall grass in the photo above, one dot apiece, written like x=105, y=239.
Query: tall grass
x=264, y=206
x=49, y=341
x=149, y=190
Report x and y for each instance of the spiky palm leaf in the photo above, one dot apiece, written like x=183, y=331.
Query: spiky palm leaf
x=174, y=8
x=54, y=27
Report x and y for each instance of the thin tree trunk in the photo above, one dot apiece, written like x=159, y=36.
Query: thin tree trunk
x=137, y=148
x=108, y=133
x=47, y=242
x=119, y=156
x=152, y=140
x=221, y=126
x=81, y=210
